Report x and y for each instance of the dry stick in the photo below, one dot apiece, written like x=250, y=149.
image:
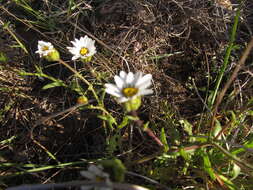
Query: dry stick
x=50, y=117
x=234, y=158
x=222, y=130
x=232, y=78
x=229, y=123
x=147, y=130
x=13, y=35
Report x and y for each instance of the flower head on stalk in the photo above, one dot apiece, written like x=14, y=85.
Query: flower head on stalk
x=129, y=88
x=47, y=51
x=83, y=48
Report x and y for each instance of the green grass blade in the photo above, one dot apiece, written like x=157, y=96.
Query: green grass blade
x=227, y=56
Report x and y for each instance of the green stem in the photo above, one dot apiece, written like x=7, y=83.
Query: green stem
x=227, y=56
x=90, y=86
x=233, y=157
x=42, y=168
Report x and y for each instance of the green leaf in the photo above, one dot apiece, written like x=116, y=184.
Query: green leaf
x=3, y=57
x=247, y=144
x=236, y=171
x=217, y=129
x=250, y=112
x=53, y=84
x=116, y=168
x=184, y=154
x=145, y=126
x=7, y=141
x=124, y=122
x=164, y=140
x=111, y=120
x=207, y=165
x=229, y=183
x=186, y=126
x=76, y=87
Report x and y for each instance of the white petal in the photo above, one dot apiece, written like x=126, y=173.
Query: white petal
x=145, y=92
x=41, y=48
x=112, y=86
x=95, y=170
x=129, y=78
x=114, y=93
x=145, y=85
x=75, y=57
x=75, y=42
x=73, y=50
x=88, y=175
x=113, y=90
x=122, y=74
x=119, y=82
x=98, y=171
x=123, y=99
x=137, y=77
x=42, y=43
x=145, y=79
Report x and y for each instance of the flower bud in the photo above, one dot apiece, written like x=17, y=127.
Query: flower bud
x=82, y=100
x=133, y=104
x=52, y=56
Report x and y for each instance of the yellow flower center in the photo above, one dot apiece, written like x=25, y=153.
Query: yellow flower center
x=45, y=48
x=129, y=92
x=99, y=179
x=84, y=51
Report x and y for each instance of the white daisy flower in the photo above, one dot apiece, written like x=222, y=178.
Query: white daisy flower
x=44, y=48
x=83, y=48
x=129, y=86
x=95, y=173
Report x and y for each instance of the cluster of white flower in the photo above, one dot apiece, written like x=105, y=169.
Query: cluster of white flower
x=44, y=48
x=83, y=48
x=128, y=89
x=129, y=86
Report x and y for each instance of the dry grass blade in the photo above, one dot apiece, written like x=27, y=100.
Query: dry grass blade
x=232, y=78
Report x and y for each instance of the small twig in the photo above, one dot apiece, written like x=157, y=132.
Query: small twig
x=227, y=56
x=233, y=157
x=243, y=109
x=47, y=118
x=43, y=147
x=201, y=99
x=222, y=130
x=150, y=133
x=231, y=79
x=14, y=36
